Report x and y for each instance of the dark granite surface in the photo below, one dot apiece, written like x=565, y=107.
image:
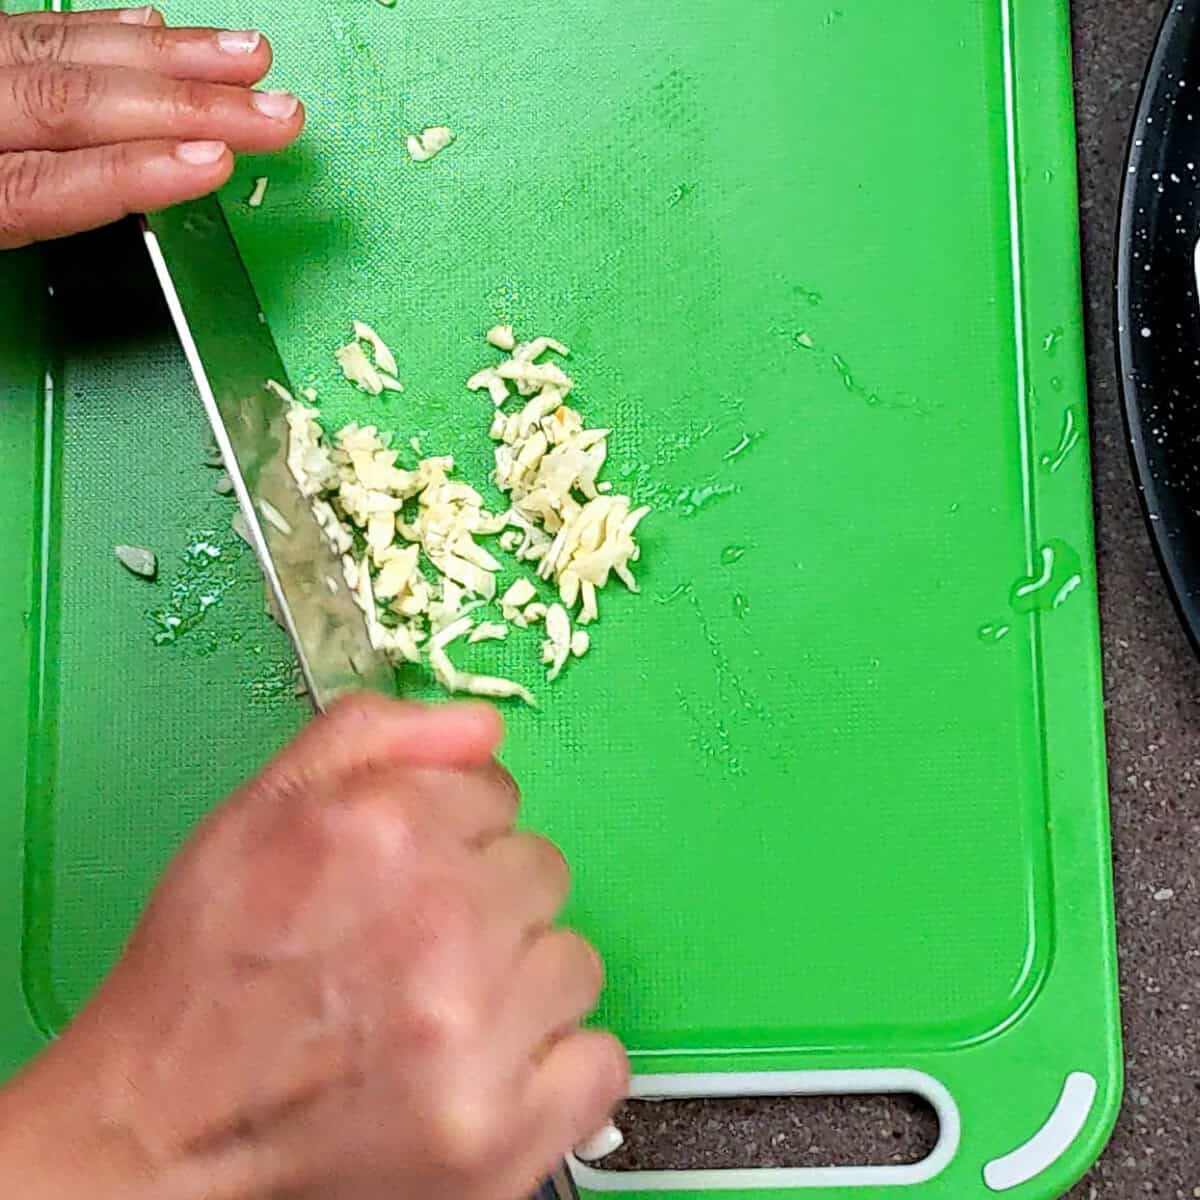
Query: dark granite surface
x=1153, y=710
x=1152, y=685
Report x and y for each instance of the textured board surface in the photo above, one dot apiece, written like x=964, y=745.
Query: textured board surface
x=833, y=784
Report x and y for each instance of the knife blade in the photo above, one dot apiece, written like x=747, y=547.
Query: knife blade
x=232, y=355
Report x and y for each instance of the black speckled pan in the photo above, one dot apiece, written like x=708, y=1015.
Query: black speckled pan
x=1158, y=313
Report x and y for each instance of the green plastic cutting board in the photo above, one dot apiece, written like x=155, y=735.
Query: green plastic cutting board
x=833, y=784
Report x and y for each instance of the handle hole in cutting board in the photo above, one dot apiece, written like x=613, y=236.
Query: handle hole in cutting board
x=731, y=1133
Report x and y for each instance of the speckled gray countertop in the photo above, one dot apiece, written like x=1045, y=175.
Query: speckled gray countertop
x=1152, y=698
x=1152, y=685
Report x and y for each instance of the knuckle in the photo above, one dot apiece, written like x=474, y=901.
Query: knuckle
x=586, y=963
x=440, y=1024
x=505, y=786
x=285, y=783
x=114, y=165
x=373, y=828
x=27, y=45
x=159, y=40
x=197, y=98
x=23, y=178
x=608, y=1074
x=53, y=98
x=356, y=706
x=445, y=912
x=549, y=863
x=358, y=713
x=466, y=1136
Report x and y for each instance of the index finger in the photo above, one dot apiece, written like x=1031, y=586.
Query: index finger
x=146, y=15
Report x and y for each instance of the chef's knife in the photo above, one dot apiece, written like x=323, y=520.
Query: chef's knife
x=232, y=357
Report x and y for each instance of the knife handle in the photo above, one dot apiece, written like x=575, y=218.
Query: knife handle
x=559, y=1186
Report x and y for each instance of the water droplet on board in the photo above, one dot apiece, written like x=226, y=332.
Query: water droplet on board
x=680, y=193
x=803, y=340
x=1051, y=340
x=1057, y=573
x=199, y=585
x=692, y=500
x=741, y=606
x=1072, y=432
x=993, y=632
x=851, y=384
x=811, y=298
x=744, y=443
x=676, y=593
x=732, y=554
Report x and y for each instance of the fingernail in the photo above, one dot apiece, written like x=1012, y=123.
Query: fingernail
x=136, y=16
x=279, y=105
x=200, y=154
x=240, y=41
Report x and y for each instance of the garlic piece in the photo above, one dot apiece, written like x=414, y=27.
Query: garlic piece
x=501, y=336
x=138, y=560
x=490, y=379
x=431, y=141
x=557, y=647
x=519, y=594
x=352, y=358
x=488, y=631
x=385, y=360
x=274, y=517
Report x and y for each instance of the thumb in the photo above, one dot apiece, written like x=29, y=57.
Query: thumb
x=367, y=732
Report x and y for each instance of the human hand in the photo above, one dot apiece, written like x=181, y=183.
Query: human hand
x=110, y=112
x=346, y=987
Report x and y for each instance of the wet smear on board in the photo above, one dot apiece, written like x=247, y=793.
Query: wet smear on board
x=1059, y=572
x=873, y=397
x=205, y=575
x=743, y=444
x=1072, y=433
x=1051, y=340
x=712, y=735
x=676, y=593
x=692, y=499
x=681, y=192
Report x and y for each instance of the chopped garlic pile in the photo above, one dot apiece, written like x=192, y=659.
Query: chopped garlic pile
x=548, y=462
x=357, y=485
x=410, y=538
x=424, y=145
